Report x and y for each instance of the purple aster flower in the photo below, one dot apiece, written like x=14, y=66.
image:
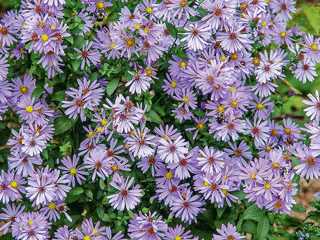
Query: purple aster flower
x=172, y=150
x=185, y=166
x=141, y=143
x=97, y=162
x=210, y=160
x=152, y=162
x=127, y=196
x=227, y=232
x=139, y=83
x=283, y=9
x=196, y=36
x=90, y=230
x=313, y=109
x=187, y=206
x=22, y=87
x=219, y=13
x=147, y=227
x=305, y=71
x=187, y=98
x=56, y=3
x=88, y=55
x=210, y=187
x=7, y=32
x=3, y=68
x=75, y=172
x=258, y=130
x=262, y=108
x=5, y=91
x=9, y=215
x=234, y=39
x=240, y=151
x=178, y=232
x=31, y=225
x=309, y=166
x=270, y=66
x=53, y=211
x=63, y=233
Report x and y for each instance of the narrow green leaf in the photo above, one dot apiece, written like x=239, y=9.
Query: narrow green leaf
x=112, y=86
x=263, y=228
x=62, y=124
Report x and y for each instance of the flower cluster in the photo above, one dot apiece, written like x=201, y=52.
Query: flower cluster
x=215, y=64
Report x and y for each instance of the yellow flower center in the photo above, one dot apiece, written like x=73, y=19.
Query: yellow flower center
x=225, y=192
x=220, y=109
x=256, y=61
x=287, y=131
x=222, y=58
x=149, y=10
x=234, y=103
x=86, y=237
x=200, y=126
x=137, y=26
x=267, y=185
x=178, y=238
x=205, y=184
x=173, y=84
x=91, y=134
x=232, y=89
x=100, y=5
x=73, y=171
x=183, y=64
x=14, y=184
x=253, y=176
x=185, y=99
x=44, y=37
x=114, y=168
x=275, y=165
x=260, y=106
x=168, y=175
x=30, y=222
x=104, y=122
x=99, y=130
x=130, y=42
x=263, y=23
x=52, y=205
x=234, y=56
x=283, y=34
x=149, y=71
x=146, y=30
x=29, y=109
x=268, y=148
x=113, y=45
x=23, y=89
x=314, y=47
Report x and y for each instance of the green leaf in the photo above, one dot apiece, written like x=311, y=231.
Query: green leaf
x=154, y=117
x=75, y=65
x=37, y=92
x=62, y=124
x=253, y=213
x=74, y=194
x=58, y=96
x=249, y=227
x=112, y=86
x=298, y=208
x=312, y=13
x=263, y=228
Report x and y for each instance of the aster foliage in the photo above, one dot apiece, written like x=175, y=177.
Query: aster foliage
x=154, y=119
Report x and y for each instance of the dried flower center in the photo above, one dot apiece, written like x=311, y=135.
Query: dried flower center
x=311, y=161
x=256, y=61
x=151, y=160
x=183, y=162
x=233, y=36
x=213, y=187
x=230, y=237
x=275, y=165
x=172, y=148
x=287, y=131
x=124, y=193
x=217, y=12
x=3, y=30
x=277, y=204
x=200, y=125
x=284, y=7
x=238, y=152
x=84, y=53
x=183, y=3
